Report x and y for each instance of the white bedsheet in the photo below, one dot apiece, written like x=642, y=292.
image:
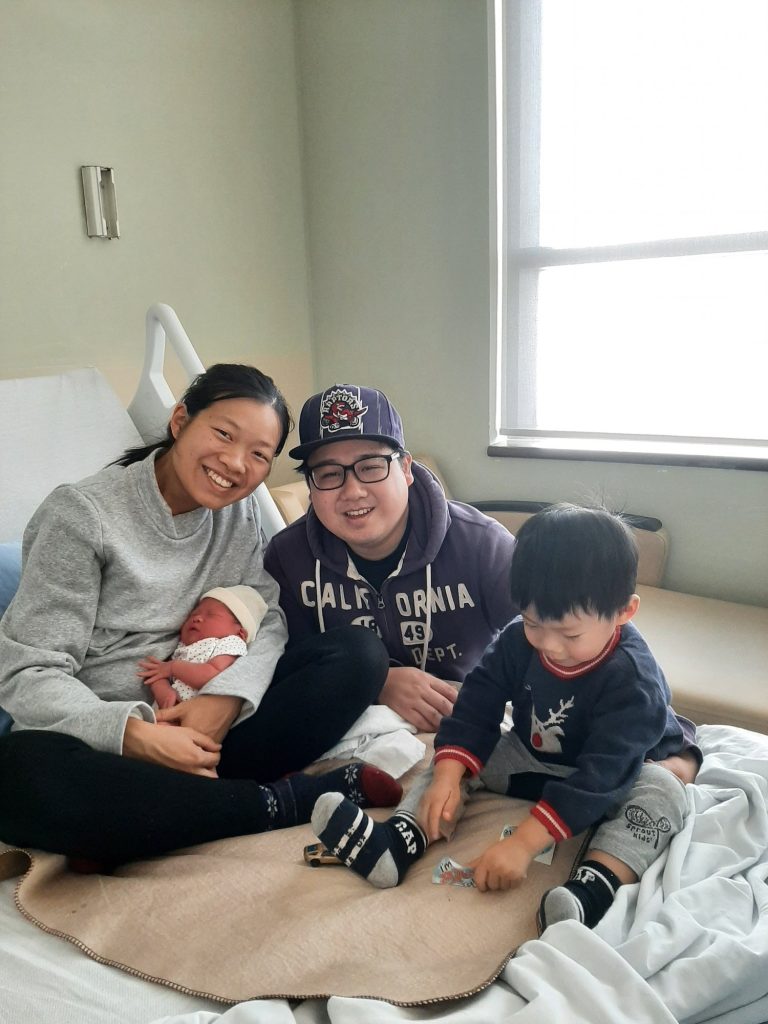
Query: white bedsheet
x=570, y=977
x=44, y=980
x=688, y=944
x=696, y=927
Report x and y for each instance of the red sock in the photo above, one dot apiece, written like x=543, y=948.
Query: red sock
x=380, y=789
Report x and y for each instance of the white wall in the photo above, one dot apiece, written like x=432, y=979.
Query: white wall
x=194, y=103
x=395, y=127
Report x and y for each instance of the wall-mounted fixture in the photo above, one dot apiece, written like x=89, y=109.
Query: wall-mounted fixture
x=100, y=202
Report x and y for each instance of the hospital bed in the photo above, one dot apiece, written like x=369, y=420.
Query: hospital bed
x=689, y=943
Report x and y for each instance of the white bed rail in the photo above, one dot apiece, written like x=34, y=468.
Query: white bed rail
x=152, y=404
x=153, y=401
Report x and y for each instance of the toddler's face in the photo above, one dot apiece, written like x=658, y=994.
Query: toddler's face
x=576, y=638
x=209, y=618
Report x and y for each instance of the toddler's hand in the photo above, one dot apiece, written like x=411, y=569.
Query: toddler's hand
x=438, y=808
x=502, y=866
x=440, y=804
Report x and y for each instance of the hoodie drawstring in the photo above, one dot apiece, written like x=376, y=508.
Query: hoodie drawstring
x=428, y=625
x=320, y=617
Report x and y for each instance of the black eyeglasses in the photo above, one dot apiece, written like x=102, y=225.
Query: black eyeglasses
x=371, y=469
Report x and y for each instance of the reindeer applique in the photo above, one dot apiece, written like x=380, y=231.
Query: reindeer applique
x=545, y=735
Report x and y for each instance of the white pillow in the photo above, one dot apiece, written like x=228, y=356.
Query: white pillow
x=55, y=430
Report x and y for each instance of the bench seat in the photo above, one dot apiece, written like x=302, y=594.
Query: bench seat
x=714, y=655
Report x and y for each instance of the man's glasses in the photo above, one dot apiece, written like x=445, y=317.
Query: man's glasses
x=371, y=469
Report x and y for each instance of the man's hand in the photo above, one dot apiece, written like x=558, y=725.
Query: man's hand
x=183, y=749
x=211, y=714
x=420, y=698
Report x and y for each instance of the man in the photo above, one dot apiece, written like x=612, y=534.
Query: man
x=381, y=547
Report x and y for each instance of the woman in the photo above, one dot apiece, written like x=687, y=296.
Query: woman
x=112, y=566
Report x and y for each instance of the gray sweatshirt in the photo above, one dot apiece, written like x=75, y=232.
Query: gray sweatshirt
x=109, y=576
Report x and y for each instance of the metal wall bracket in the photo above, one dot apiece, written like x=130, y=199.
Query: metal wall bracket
x=100, y=202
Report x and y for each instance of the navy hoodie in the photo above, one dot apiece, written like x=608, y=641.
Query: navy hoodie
x=440, y=608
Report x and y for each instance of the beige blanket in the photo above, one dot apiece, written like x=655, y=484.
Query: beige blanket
x=247, y=918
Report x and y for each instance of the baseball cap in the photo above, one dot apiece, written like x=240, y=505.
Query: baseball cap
x=245, y=603
x=347, y=412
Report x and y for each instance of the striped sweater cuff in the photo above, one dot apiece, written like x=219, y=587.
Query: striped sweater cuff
x=551, y=821
x=470, y=762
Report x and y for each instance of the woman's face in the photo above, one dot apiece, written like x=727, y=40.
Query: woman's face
x=219, y=456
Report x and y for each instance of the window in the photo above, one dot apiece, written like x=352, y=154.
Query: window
x=632, y=230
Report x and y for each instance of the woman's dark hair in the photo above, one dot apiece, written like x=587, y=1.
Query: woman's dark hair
x=217, y=383
x=569, y=559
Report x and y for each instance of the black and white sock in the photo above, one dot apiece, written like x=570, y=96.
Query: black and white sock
x=380, y=852
x=585, y=898
x=289, y=801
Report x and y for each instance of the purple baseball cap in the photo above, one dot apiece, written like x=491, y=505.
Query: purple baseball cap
x=347, y=412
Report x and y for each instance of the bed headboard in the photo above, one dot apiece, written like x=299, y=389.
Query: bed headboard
x=64, y=427
x=55, y=429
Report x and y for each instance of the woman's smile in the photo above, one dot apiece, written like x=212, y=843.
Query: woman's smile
x=217, y=479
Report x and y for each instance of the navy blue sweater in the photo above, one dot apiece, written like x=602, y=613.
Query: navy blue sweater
x=603, y=723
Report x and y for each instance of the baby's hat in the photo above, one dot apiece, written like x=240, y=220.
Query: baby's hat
x=245, y=603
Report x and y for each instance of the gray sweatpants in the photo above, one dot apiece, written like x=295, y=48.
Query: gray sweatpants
x=635, y=832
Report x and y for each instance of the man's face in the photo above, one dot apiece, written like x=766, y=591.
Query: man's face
x=370, y=518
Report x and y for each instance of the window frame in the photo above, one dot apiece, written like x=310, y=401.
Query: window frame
x=516, y=259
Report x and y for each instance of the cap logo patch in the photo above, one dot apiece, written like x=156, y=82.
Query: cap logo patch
x=340, y=409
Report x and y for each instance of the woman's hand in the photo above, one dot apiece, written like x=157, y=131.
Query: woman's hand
x=186, y=750
x=211, y=714
x=418, y=697
x=164, y=694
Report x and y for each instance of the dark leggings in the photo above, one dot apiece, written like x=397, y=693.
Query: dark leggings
x=321, y=686
x=58, y=794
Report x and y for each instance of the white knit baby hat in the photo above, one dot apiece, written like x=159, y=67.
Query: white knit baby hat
x=245, y=603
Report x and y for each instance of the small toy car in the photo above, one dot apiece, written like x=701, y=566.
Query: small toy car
x=316, y=855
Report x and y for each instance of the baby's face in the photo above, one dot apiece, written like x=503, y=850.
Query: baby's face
x=209, y=618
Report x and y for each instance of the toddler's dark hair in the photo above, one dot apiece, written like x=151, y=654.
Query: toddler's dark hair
x=574, y=559
x=220, y=381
